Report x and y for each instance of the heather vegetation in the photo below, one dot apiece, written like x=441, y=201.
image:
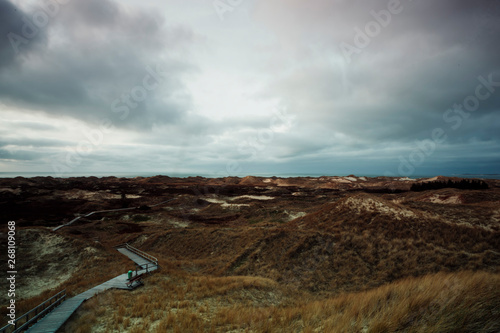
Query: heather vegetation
x=463, y=184
x=272, y=255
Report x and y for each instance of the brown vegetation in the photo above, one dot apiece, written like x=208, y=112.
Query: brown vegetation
x=330, y=254
x=443, y=302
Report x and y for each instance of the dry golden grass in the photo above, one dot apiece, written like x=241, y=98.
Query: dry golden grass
x=175, y=302
x=443, y=302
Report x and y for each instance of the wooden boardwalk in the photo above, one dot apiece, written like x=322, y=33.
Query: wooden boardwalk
x=105, y=211
x=140, y=261
x=55, y=319
x=90, y=214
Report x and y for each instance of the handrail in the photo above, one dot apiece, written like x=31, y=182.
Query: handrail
x=163, y=202
x=91, y=213
x=143, y=254
x=146, y=267
x=105, y=211
x=59, y=297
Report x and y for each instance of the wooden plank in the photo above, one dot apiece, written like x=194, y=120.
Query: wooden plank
x=134, y=257
x=55, y=319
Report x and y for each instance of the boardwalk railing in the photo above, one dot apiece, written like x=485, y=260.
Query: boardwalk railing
x=90, y=214
x=143, y=254
x=29, y=318
x=105, y=211
x=147, y=267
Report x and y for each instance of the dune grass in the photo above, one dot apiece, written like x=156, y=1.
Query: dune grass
x=442, y=302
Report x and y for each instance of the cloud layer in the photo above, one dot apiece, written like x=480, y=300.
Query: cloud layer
x=266, y=87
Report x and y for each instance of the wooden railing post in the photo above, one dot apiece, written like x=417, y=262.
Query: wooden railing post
x=24, y=321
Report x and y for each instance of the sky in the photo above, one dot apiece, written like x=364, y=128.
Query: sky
x=240, y=87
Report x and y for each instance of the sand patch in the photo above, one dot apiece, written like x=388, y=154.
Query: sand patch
x=95, y=195
x=46, y=260
x=16, y=191
x=178, y=223
x=225, y=204
x=295, y=215
x=283, y=182
x=430, y=179
x=341, y=180
x=37, y=285
x=360, y=204
x=445, y=199
x=255, y=197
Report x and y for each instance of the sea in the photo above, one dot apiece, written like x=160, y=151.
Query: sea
x=208, y=175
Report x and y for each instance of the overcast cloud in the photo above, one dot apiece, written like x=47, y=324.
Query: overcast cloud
x=234, y=88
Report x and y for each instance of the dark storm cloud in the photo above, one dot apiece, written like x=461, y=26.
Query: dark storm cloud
x=203, y=93
x=398, y=87
x=101, y=58
x=13, y=31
